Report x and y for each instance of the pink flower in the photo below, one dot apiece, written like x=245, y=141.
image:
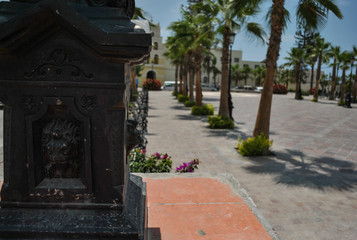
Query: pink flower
x=143, y=151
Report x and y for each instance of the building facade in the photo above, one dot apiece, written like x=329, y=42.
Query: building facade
x=160, y=68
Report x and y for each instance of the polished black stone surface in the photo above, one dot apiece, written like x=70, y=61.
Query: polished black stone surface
x=65, y=223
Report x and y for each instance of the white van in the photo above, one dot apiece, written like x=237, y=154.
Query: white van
x=168, y=85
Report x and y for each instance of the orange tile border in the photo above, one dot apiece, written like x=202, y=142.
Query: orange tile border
x=199, y=208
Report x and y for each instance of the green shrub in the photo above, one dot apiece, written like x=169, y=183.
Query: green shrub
x=205, y=109
x=189, y=103
x=254, y=146
x=182, y=98
x=341, y=103
x=313, y=99
x=304, y=93
x=156, y=163
x=218, y=122
x=174, y=94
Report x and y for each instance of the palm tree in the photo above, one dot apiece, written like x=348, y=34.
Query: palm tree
x=345, y=58
x=314, y=13
x=194, y=34
x=230, y=17
x=296, y=58
x=236, y=73
x=174, y=54
x=354, y=92
x=246, y=71
x=259, y=74
x=320, y=49
x=333, y=52
x=311, y=60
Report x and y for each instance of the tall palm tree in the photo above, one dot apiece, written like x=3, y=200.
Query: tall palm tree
x=236, y=73
x=320, y=49
x=194, y=34
x=229, y=18
x=259, y=74
x=295, y=59
x=354, y=92
x=174, y=54
x=314, y=13
x=246, y=71
x=333, y=52
x=311, y=60
x=345, y=58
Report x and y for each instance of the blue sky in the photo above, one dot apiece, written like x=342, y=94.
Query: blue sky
x=338, y=32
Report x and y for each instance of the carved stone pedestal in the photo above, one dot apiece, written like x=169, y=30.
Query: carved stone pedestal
x=64, y=82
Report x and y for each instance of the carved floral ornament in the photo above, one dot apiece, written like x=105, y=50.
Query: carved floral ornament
x=57, y=64
x=128, y=6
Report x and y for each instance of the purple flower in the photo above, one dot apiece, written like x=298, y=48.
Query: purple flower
x=157, y=154
x=143, y=151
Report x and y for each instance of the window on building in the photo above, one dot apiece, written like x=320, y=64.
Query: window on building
x=236, y=60
x=156, y=46
x=245, y=65
x=152, y=34
x=156, y=59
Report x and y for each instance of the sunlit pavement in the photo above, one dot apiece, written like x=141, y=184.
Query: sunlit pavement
x=306, y=191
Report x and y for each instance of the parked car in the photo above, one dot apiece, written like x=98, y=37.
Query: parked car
x=259, y=89
x=249, y=88
x=168, y=85
x=207, y=87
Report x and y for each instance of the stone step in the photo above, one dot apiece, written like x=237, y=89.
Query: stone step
x=23, y=223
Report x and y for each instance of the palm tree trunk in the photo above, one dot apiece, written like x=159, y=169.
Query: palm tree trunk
x=333, y=81
x=343, y=85
x=318, y=75
x=198, y=64
x=297, y=81
x=181, y=79
x=191, y=74
x=262, y=123
x=354, y=92
x=312, y=76
x=185, y=80
x=176, y=77
x=223, y=104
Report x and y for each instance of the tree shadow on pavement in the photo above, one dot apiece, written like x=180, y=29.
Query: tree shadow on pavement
x=180, y=107
x=293, y=168
x=227, y=133
x=210, y=99
x=191, y=117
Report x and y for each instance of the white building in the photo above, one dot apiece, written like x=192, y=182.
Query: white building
x=160, y=68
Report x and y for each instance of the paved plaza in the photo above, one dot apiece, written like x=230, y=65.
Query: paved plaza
x=308, y=190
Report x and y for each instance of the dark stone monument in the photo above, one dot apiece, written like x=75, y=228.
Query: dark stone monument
x=64, y=82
